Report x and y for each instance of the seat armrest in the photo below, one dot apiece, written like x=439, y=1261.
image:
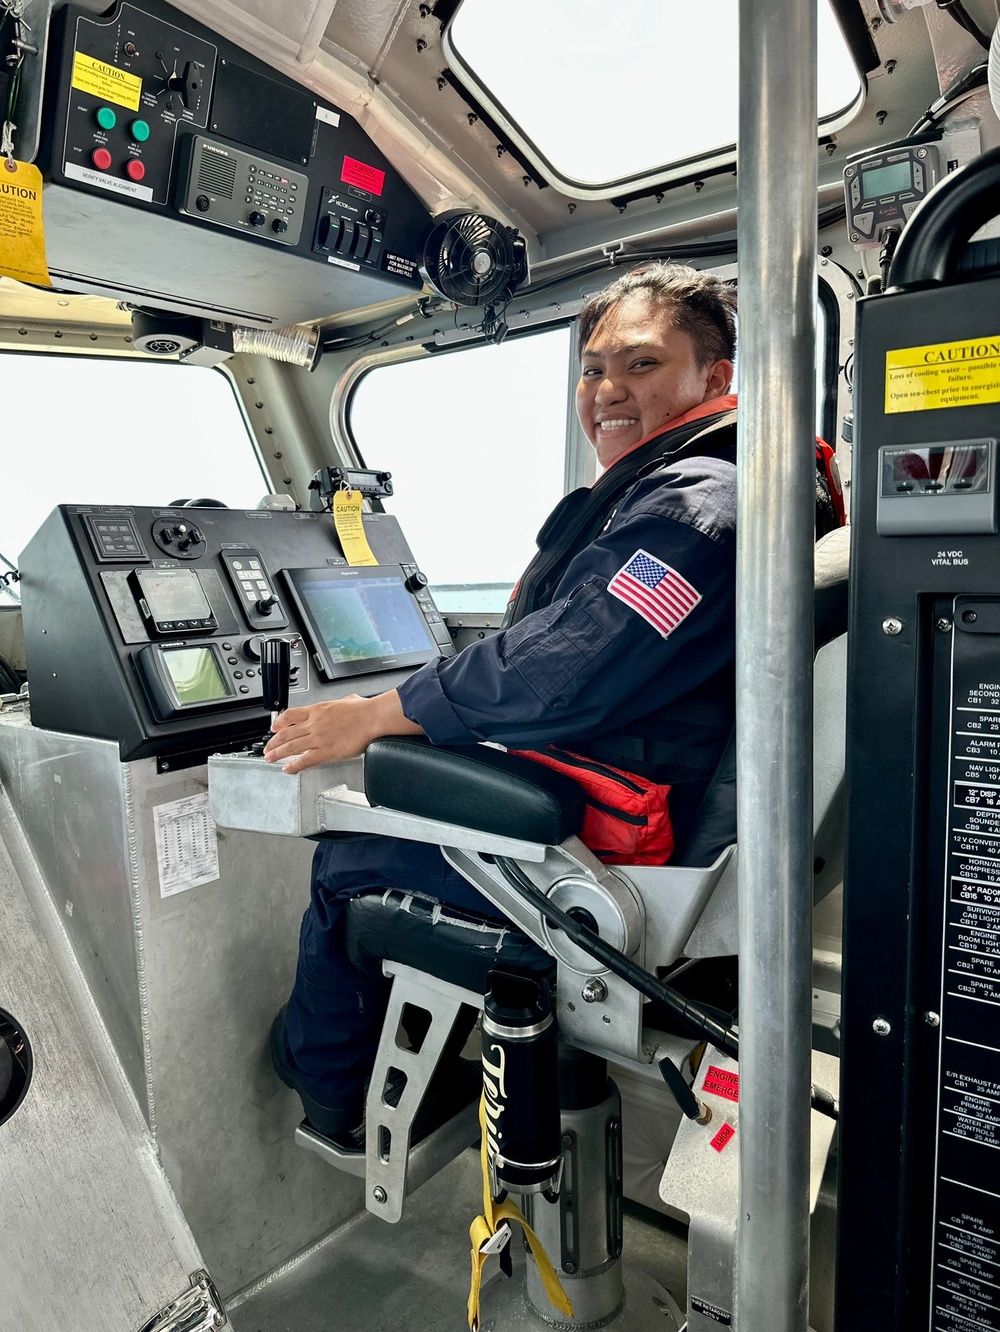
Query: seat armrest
x=473, y=786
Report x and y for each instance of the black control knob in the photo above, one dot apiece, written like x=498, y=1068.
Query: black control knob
x=203, y=203
x=186, y=535
x=256, y=219
x=279, y=225
x=416, y=582
x=265, y=605
x=251, y=648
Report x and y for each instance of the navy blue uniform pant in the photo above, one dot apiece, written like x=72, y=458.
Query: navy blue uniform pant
x=335, y=1012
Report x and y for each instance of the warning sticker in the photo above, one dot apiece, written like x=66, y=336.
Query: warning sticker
x=711, y=1311
x=187, y=851
x=106, y=82
x=22, y=238
x=724, y=1136
x=399, y=265
x=942, y=374
x=367, y=178
x=721, y=1082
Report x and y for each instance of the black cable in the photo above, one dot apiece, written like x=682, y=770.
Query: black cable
x=964, y=20
x=889, y=242
x=700, y=1023
x=977, y=77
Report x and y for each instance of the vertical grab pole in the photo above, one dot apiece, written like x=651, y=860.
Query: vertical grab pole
x=774, y=654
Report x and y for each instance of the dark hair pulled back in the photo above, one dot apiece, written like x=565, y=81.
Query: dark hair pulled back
x=700, y=304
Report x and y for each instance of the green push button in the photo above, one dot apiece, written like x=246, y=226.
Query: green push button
x=139, y=130
x=106, y=118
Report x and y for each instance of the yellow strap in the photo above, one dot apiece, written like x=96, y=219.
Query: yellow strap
x=485, y=1227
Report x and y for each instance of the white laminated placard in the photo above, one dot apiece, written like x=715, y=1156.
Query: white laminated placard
x=187, y=852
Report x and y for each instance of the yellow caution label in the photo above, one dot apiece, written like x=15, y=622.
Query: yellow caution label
x=22, y=237
x=106, y=82
x=943, y=374
x=350, y=528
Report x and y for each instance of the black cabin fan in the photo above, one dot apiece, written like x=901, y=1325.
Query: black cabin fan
x=473, y=259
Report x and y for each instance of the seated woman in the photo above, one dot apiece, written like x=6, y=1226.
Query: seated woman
x=615, y=662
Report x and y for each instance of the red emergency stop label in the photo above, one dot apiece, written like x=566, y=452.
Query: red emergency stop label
x=724, y=1136
x=721, y=1082
x=363, y=176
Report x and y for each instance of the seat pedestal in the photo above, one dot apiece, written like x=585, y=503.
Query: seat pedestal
x=582, y=1230
x=647, y=1307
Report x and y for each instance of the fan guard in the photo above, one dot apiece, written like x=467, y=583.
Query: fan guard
x=473, y=259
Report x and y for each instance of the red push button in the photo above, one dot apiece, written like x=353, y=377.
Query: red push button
x=135, y=169
x=101, y=159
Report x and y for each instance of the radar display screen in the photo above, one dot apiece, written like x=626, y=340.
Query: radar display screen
x=362, y=620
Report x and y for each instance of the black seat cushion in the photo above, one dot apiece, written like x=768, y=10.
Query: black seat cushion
x=474, y=786
x=454, y=945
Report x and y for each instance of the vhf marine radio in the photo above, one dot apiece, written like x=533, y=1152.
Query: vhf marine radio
x=145, y=625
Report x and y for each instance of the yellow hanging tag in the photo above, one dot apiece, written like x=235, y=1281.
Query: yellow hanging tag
x=485, y=1227
x=22, y=237
x=350, y=527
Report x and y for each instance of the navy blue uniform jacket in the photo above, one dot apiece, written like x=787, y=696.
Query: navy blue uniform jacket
x=591, y=663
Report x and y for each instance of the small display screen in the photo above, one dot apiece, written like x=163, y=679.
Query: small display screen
x=936, y=469
x=887, y=180
x=195, y=674
x=360, y=619
x=174, y=594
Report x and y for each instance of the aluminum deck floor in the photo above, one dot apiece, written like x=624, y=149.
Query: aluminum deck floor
x=414, y=1276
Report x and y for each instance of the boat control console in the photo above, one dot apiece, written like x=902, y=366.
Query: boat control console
x=145, y=625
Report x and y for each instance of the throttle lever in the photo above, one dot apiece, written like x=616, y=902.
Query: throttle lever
x=275, y=673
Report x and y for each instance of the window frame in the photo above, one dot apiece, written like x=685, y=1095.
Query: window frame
x=719, y=160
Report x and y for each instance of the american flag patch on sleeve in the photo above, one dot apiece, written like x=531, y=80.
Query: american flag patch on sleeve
x=661, y=596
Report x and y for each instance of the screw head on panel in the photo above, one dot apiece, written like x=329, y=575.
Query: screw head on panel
x=892, y=626
x=881, y=1027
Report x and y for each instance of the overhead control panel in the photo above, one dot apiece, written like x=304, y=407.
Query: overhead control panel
x=144, y=626
x=169, y=125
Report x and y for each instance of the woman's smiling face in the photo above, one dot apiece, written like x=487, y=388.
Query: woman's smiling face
x=638, y=372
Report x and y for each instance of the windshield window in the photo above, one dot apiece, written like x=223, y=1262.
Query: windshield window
x=91, y=431
x=606, y=95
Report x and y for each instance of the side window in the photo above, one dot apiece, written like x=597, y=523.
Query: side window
x=93, y=431
x=475, y=440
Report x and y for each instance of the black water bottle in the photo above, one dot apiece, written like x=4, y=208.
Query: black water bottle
x=520, y=1081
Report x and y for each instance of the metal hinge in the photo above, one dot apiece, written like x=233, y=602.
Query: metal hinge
x=199, y=1309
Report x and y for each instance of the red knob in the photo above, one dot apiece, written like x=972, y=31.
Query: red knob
x=135, y=169
x=101, y=159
